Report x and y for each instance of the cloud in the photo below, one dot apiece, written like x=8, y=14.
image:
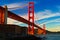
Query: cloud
x=45, y=14
x=14, y=6
x=55, y=20
x=12, y=21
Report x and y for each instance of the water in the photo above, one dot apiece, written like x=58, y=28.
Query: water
x=52, y=37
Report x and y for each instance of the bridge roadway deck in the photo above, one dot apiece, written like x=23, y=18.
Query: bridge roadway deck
x=18, y=18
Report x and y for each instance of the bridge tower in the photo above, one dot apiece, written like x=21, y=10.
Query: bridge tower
x=31, y=18
x=3, y=15
x=44, y=29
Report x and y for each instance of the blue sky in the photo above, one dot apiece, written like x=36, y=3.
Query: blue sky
x=46, y=12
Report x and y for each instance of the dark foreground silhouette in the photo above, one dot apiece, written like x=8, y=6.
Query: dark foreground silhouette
x=28, y=37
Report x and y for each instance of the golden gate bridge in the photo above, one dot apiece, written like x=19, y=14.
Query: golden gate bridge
x=4, y=13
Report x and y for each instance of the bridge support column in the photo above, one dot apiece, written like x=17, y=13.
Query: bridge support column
x=6, y=15
x=31, y=18
x=3, y=15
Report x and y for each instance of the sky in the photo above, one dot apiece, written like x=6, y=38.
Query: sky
x=46, y=12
